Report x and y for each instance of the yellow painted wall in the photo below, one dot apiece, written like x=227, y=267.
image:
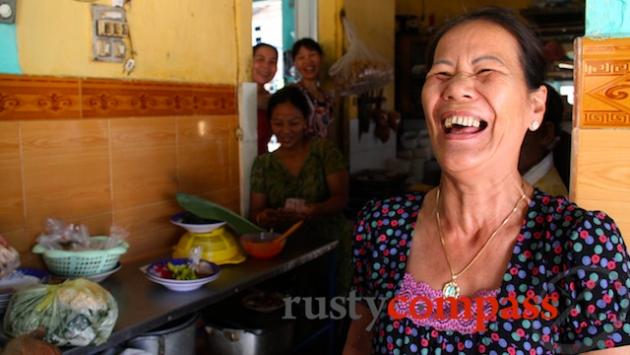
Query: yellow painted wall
x=243, y=19
x=330, y=33
x=443, y=10
x=191, y=41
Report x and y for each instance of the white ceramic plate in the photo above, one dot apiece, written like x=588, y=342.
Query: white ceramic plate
x=96, y=277
x=103, y=275
x=194, y=228
x=179, y=285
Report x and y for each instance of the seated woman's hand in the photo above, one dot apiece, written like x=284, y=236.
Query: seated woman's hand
x=269, y=217
x=306, y=212
x=278, y=217
x=289, y=216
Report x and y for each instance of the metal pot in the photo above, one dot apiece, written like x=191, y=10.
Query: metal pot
x=177, y=337
x=275, y=340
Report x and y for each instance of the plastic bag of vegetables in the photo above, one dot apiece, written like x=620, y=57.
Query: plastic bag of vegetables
x=77, y=312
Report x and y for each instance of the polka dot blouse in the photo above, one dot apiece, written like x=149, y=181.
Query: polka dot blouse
x=576, y=257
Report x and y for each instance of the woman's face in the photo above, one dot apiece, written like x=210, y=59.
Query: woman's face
x=265, y=65
x=476, y=100
x=288, y=124
x=307, y=62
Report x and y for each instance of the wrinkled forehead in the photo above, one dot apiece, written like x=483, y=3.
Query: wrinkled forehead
x=481, y=32
x=478, y=38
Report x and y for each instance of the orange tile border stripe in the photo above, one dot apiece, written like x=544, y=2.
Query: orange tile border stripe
x=41, y=97
x=602, y=82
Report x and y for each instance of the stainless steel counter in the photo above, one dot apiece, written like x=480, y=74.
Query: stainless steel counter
x=143, y=305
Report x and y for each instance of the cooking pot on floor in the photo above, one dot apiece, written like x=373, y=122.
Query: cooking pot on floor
x=275, y=340
x=174, y=338
x=250, y=325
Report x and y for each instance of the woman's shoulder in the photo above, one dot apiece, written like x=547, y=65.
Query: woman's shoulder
x=322, y=144
x=411, y=200
x=561, y=213
x=300, y=86
x=398, y=209
x=263, y=160
x=324, y=154
x=328, y=97
x=324, y=148
x=385, y=222
x=587, y=265
x=576, y=237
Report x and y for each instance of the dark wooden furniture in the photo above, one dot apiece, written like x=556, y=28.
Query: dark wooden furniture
x=410, y=59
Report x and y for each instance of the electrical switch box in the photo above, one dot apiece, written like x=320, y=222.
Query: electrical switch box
x=7, y=11
x=110, y=30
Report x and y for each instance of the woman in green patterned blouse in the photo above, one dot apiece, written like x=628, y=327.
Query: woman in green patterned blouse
x=309, y=172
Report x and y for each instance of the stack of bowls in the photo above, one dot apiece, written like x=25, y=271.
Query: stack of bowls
x=100, y=277
x=210, y=273
x=194, y=224
x=93, y=262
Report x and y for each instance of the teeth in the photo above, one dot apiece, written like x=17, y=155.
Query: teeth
x=466, y=121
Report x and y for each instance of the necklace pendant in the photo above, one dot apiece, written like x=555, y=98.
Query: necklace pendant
x=450, y=289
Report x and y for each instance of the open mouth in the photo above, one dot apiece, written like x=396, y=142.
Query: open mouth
x=284, y=139
x=463, y=124
x=263, y=74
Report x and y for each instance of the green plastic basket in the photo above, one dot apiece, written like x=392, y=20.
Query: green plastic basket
x=81, y=263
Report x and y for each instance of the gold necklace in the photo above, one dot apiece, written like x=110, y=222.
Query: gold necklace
x=451, y=288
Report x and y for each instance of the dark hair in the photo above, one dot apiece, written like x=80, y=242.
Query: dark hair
x=262, y=44
x=554, y=108
x=531, y=53
x=308, y=43
x=293, y=95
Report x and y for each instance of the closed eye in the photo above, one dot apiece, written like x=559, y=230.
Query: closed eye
x=484, y=71
x=441, y=75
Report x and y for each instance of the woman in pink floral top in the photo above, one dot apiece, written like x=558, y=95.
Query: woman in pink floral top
x=307, y=58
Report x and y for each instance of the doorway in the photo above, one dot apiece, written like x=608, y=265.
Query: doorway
x=280, y=23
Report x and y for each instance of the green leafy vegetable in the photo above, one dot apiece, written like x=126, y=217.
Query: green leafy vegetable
x=210, y=210
x=182, y=272
x=77, y=312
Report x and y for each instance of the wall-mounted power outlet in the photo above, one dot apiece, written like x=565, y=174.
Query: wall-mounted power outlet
x=7, y=11
x=109, y=31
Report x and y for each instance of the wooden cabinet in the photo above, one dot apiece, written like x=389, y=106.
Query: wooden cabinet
x=410, y=59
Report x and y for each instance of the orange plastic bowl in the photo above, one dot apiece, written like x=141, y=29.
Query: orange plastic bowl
x=262, y=245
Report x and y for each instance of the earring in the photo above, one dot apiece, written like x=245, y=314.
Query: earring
x=534, y=126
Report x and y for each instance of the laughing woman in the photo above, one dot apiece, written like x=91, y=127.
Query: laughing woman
x=263, y=70
x=307, y=59
x=544, y=275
